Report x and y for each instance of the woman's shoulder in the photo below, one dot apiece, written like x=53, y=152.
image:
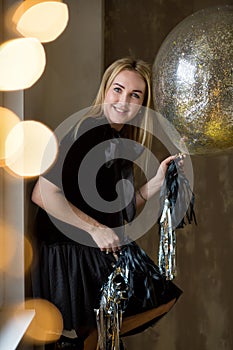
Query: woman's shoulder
x=92, y=122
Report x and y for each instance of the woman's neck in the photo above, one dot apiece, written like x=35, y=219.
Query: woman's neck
x=117, y=127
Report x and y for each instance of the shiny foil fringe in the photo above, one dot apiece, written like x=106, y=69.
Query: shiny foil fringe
x=115, y=295
x=167, y=244
x=177, y=201
x=133, y=276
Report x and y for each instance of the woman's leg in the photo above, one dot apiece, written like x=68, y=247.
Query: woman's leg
x=131, y=322
x=90, y=342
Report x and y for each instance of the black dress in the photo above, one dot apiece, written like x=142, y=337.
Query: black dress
x=69, y=269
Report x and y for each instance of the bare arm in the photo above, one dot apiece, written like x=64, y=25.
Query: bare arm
x=153, y=185
x=50, y=198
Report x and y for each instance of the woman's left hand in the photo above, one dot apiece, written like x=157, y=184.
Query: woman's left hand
x=164, y=165
x=154, y=185
x=160, y=175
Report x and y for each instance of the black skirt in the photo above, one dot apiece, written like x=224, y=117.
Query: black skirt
x=70, y=275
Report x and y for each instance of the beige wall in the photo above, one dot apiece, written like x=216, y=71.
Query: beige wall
x=74, y=67
x=12, y=188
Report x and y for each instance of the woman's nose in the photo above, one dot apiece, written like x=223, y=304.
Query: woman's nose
x=124, y=99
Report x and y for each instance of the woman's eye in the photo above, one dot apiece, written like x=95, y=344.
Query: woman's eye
x=135, y=95
x=117, y=89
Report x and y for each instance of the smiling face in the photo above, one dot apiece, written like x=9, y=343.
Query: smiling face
x=124, y=98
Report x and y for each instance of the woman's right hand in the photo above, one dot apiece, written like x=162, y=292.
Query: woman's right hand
x=106, y=239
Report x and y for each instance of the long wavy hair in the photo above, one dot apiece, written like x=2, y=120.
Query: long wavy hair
x=142, y=133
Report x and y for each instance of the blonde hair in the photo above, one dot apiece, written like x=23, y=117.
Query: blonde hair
x=143, y=133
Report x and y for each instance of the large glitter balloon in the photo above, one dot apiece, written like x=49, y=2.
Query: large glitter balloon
x=193, y=80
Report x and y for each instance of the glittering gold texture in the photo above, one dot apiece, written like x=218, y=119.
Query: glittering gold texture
x=193, y=80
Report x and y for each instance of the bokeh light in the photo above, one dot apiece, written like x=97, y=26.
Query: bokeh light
x=47, y=324
x=8, y=119
x=22, y=62
x=9, y=241
x=28, y=254
x=44, y=20
x=34, y=147
x=8, y=244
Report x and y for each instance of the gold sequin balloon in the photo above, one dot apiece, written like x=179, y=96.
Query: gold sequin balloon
x=193, y=80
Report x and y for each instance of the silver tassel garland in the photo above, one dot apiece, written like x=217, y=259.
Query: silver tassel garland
x=109, y=315
x=167, y=244
x=173, y=206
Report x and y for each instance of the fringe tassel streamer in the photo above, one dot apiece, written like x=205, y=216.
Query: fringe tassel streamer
x=176, y=195
x=133, y=267
x=115, y=294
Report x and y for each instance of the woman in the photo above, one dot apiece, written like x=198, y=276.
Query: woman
x=78, y=247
